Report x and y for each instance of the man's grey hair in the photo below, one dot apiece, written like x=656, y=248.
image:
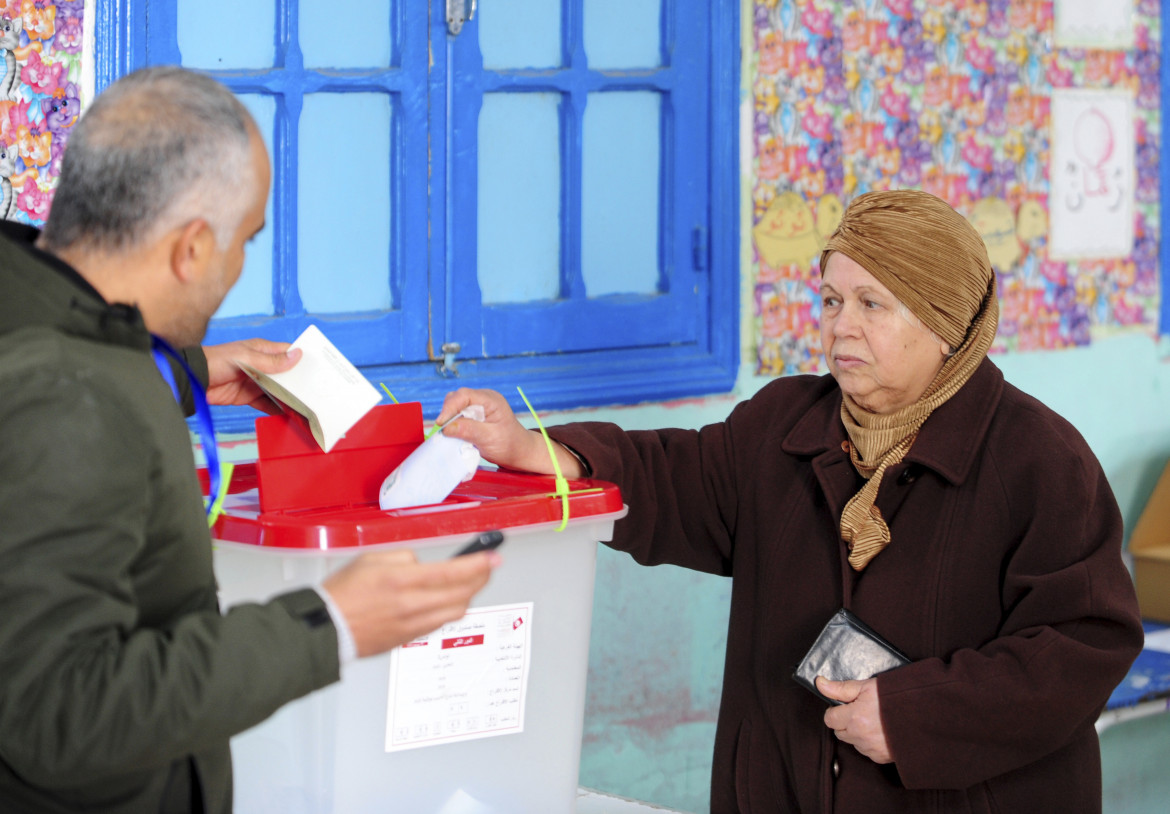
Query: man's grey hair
x=157, y=149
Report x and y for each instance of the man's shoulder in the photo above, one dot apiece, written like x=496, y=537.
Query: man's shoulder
x=44, y=347
x=39, y=359
x=32, y=348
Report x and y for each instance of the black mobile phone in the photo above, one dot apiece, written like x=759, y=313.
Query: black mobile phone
x=484, y=542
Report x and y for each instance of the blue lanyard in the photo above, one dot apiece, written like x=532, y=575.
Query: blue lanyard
x=159, y=349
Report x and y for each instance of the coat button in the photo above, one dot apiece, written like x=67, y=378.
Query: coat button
x=844, y=446
x=909, y=475
x=836, y=769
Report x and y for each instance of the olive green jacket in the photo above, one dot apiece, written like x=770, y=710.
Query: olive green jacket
x=120, y=680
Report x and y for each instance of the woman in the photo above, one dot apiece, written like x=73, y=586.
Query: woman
x=964, y=521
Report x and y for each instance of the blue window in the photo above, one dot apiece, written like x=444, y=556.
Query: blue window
x=531, y=193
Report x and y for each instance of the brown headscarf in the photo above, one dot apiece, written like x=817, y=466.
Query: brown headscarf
x=935, y=263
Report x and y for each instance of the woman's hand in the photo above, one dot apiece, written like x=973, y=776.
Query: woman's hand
x=227, y=383
x=500, y=437
x=858, y=721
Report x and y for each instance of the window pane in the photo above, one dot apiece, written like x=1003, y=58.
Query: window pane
x=518, y=235
x=520, y=33
x=252, y=294
x=624, y=33
x=224, y=34
x=363, y=42
x=343, y=213
x=620, y=181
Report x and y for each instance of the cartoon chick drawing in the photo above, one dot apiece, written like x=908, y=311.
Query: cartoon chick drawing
x=995, y=223
x=829, y=212
x=787, y=232
x=1032, y=221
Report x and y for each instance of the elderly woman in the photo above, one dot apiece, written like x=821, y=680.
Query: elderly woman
x=964, y=521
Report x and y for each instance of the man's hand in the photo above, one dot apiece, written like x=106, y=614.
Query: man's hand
x=228, y=384
x=859, y=720
x=500, y=437
x=389, y=598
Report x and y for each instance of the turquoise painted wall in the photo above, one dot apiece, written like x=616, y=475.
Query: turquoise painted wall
x=659, y=633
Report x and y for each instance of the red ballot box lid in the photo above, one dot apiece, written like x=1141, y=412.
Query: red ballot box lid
x=296, y=496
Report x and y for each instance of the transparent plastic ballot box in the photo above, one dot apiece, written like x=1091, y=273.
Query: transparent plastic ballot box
x=485, y=715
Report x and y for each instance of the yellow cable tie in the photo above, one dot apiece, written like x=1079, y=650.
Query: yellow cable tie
x=388, y=393
x=562, y=485
x=225, y=478
x=572, y=492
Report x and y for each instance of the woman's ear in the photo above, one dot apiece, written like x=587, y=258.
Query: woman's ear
x=192, y=250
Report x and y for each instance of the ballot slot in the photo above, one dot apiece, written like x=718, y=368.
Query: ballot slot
x=295, y=473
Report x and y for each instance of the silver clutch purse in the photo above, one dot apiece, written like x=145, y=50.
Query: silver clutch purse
x=846, y=649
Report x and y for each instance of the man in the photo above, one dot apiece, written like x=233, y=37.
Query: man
x=120, y=680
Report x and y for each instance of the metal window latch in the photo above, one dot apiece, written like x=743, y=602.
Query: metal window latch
x=449, y=367
x=458, y=13
x=699, y=248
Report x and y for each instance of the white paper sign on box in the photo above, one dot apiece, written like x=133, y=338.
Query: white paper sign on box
x=467, y=680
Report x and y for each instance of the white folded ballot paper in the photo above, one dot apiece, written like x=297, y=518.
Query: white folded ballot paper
x=432, y=470
x=323, y=386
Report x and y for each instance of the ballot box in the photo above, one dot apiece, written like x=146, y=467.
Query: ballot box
x=482, y=717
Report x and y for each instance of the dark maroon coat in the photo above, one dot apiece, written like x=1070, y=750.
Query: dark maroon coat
x=1004, y=584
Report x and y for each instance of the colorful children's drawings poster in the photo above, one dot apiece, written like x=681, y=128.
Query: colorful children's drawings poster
x=1091, y=174
x=955, y=97
x=40, y=100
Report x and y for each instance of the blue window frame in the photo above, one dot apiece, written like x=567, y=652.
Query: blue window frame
x=609, y=276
